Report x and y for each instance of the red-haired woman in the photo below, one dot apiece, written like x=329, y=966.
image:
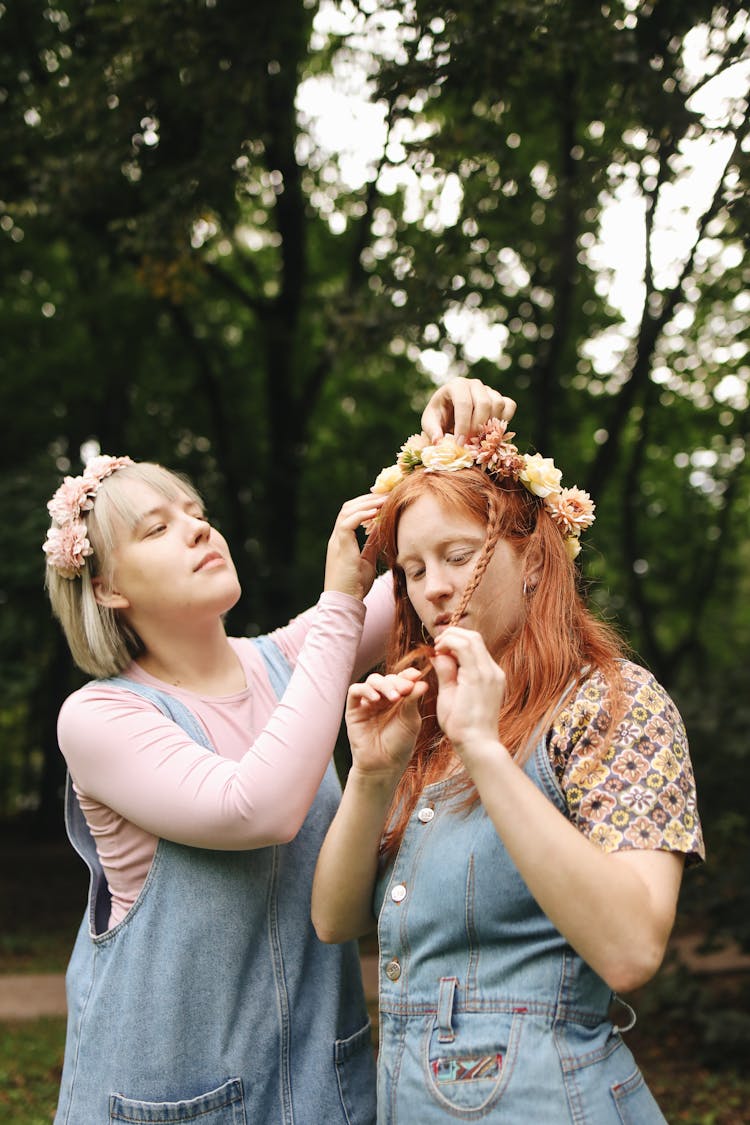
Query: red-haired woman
x=517, y=818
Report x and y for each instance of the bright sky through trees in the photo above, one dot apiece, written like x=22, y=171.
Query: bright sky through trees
x=343, y=122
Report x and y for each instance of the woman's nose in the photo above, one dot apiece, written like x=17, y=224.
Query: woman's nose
x=199, y=530
x=437, y=585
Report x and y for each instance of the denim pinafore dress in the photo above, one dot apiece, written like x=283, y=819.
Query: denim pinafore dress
x=212, y=1001
x=486, y=1013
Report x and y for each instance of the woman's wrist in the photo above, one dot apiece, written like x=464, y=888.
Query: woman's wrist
x=375, y=784
x=481, y=751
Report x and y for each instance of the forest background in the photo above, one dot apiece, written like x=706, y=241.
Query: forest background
x=245, y=240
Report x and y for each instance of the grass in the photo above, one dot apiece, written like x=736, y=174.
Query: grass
x=30, y=1064
x=45, y=885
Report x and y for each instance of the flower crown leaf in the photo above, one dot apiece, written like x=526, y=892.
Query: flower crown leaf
x=67, y=546
x=492, y=449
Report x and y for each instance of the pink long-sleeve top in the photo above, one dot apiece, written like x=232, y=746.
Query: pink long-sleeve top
x=139, y=777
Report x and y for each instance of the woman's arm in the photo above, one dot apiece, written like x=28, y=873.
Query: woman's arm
x=615, y=909
x=124, y=754
x=348, y=861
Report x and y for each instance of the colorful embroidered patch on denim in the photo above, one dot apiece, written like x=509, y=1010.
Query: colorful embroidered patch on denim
x=467, y=1069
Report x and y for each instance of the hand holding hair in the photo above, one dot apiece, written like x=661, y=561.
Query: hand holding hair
x=383, y=720
x=347, y=569
x=471, y=689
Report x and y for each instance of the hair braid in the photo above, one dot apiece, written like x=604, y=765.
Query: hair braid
x=493, y=534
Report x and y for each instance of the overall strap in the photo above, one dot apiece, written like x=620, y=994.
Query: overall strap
x=79, y=833
x=172, y=708
x=277, y=666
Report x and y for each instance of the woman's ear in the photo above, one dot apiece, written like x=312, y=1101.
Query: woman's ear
x=108, y=597
x=532, y=568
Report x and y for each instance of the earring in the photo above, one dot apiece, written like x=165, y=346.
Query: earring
x=525, y=589
x=426, y=638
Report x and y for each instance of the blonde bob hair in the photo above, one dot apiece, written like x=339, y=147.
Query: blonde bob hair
x=101, y=642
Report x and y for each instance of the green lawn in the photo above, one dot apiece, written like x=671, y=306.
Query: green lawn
x=30, y=1063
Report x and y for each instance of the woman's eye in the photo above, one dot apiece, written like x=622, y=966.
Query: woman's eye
x=460, y=557
x=155, y=530
x=411, y=575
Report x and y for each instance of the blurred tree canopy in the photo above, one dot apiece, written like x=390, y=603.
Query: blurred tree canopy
x=246, y=239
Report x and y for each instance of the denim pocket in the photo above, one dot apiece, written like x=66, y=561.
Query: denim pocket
x=224, y=1106
x=635, y=1103
x=355, y=1073
x=469, y=1073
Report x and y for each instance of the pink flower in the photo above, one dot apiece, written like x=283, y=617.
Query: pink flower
x=75, y=495
x=572, y=509
x=495, y=452
x=100, y=467
x=66, y=548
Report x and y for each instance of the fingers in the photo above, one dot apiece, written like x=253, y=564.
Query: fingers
x=461, y=406
x=381, y=691
x=358, y=510
x=462, y=644
x=461, y=654
x=369, y=553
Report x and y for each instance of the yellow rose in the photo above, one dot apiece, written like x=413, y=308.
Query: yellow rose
x=572, y=546
x=540, y=475
x=387, y=479
x=447, y=455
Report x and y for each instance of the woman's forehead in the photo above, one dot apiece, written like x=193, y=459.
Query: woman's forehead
x=430, y=516
x=134, y=494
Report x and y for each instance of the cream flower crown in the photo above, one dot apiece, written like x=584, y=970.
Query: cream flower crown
x=67, y=545
x=492, y=449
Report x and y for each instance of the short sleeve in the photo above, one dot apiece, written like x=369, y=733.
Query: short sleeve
x=635, y=789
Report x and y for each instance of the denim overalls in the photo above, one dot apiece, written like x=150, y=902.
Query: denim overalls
x=212, y=1001
x=486, y=1013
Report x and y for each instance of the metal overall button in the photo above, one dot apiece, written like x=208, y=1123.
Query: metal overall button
x=393, y=969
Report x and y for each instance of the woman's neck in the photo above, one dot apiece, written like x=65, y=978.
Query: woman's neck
x=206, y=665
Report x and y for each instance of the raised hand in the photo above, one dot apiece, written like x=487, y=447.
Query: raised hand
x=461, y=406
x=347, y=569
x=383, y=720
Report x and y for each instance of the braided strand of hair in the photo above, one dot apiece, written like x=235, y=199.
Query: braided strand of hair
x=493, y=534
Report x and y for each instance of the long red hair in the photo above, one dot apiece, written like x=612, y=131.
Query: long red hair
x=558, y=642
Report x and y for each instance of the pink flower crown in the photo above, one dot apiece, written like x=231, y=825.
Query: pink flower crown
x=67, y=545
x=572, y=509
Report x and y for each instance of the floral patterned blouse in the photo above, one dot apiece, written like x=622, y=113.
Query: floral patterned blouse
x=639, y=793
